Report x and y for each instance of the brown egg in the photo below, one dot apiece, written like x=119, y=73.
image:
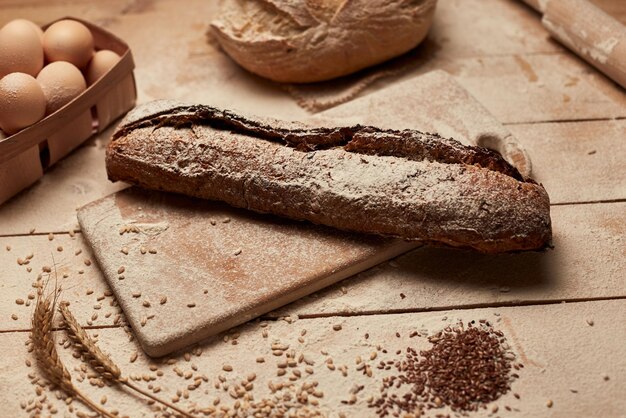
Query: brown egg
x=100, y=64
x=20, y=48
x=68, y=40
x=32, y=25
x=22, y=102
x=61, y=82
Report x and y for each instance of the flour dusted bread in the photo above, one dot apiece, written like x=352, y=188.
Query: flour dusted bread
x=406, y=184
x=303, y=41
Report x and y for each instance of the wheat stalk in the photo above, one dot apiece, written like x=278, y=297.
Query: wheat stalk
x=45, y=348
x=100, y=362
x=46, y=352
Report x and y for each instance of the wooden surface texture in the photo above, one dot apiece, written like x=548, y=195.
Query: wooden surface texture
x=562, y=311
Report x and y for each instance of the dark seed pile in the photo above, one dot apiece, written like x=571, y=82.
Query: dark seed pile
x=467, y=368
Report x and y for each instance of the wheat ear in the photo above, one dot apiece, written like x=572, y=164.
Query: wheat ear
x=101, y=362
x=46, y=352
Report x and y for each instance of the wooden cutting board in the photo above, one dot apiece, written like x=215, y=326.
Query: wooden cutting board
x=183, y=269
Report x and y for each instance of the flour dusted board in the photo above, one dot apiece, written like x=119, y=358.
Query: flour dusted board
x=215, y=265
x=184, y=269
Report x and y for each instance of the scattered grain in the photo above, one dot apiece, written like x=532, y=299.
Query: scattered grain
x=466, y=368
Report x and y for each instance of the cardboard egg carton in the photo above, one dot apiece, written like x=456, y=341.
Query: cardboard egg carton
x=26, y=155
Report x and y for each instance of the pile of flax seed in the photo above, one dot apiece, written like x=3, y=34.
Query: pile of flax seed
x=466, y=368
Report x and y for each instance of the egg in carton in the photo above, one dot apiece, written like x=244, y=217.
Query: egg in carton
x=51, y=109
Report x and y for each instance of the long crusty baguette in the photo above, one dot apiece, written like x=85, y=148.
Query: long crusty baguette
x=406, y=184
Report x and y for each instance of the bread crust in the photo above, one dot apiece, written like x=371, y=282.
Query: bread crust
x=303, y=41
x=406, y=184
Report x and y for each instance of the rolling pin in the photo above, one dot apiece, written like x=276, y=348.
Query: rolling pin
x=587, y=30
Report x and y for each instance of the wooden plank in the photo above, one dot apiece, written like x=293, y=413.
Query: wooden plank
x=50, y=205
x=586, y=263
x=577, y=162
x=615, y=8
x=539, y=88
x=82, y=284
x=42, y=11
x=579, y=367
x=521, y=88
x=231, y=265
x=472, y=28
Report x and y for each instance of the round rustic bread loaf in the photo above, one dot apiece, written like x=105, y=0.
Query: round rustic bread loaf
x=301, y=41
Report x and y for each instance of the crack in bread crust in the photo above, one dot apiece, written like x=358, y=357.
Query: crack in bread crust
x=406, y=184
x=408, y=143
